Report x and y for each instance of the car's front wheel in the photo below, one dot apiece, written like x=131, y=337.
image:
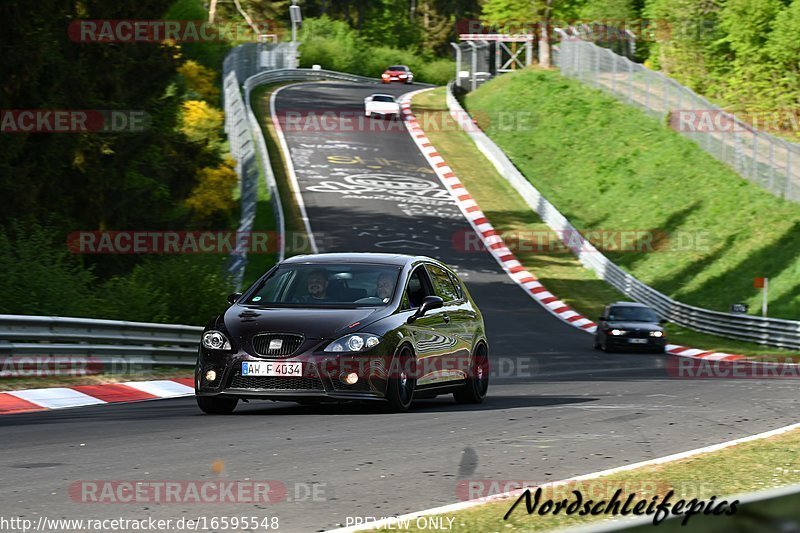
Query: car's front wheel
x=402, y=381
x=477, y=384
x=212, y=405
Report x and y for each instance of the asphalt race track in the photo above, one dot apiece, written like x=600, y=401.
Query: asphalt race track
x=556, y=408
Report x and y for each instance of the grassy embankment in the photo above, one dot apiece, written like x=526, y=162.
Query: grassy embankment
x=632, y=204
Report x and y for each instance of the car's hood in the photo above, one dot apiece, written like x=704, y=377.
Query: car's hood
x=632, y=326
x=395, y=72
x=246, y=321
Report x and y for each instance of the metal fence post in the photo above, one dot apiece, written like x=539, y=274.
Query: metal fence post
x=613, y=71
x=630, y=81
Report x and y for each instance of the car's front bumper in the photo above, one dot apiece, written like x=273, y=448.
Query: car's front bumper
x=624, y=343
x=321, y=379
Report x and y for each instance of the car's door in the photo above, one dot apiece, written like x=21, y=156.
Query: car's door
x=457, y=319
x=429, y=331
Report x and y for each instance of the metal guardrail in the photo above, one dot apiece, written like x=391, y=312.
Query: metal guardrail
x=246, y=139
x=767, y=331
x=104, y=340
x=301, y=74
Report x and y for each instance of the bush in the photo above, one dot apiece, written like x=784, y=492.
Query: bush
x=176, y=289
x=335, y=46
x=40, y=275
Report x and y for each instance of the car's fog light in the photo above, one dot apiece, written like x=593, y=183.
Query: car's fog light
x=211, y=375
x=350, y=378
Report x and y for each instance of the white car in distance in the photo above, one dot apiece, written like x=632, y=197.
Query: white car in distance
x=381, y=104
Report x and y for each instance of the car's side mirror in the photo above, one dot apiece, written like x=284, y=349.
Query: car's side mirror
x=602, y=318
x=429, y=303
x=662, y=321
x=233, y=297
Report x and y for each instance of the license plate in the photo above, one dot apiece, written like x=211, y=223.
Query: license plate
x=637, y=341
x=271, y=368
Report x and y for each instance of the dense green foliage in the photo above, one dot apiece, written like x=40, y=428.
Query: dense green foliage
x=744, y=54
x=334, y=45
x=41, y=276
x=59, y=183
x=609, y=168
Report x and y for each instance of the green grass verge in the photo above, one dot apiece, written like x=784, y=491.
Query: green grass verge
x=607, y=166
x=743, y=468
x=560, y=272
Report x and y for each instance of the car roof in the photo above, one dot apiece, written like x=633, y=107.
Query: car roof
x=357, y=257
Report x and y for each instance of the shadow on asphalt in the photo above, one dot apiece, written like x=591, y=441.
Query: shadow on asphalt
x=444, y=404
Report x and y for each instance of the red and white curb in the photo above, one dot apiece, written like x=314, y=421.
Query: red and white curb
x=503, y=255
x=25, y=401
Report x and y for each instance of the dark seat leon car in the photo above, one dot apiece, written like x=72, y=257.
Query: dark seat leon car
x=338, y=327
x=630, y=326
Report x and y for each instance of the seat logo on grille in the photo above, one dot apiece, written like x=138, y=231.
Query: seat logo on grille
x=275, y=344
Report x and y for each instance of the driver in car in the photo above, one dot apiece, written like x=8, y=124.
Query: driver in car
x=385, y=287
x=317, y=285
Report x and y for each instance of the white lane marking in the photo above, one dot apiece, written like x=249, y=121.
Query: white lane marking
x=161, y=388
x=515, y=493
x=56, y=398
x=298, y=197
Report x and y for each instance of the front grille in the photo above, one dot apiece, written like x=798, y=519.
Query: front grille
x=275, y=383
x=638, y=334
x=289, y=344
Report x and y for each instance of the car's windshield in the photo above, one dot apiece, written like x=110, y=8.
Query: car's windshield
x=632, y=314
x=327, y=285
x=382, y=98
x=397, y=67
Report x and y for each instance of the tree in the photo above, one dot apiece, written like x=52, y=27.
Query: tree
x=520, y=16
x=211, y=200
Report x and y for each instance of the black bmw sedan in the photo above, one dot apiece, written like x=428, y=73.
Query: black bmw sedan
x=338, y=327
x=630, y=326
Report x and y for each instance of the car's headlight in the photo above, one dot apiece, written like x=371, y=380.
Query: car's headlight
x=355, y=342
x=656, y=333
x=216, y=340
x=618, y=332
